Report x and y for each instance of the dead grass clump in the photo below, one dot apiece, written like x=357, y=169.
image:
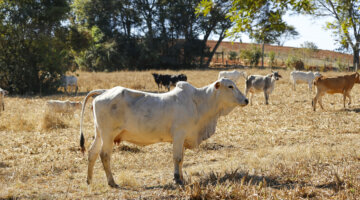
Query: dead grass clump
x=127, y=179
x=129, y=149
x=52, y=121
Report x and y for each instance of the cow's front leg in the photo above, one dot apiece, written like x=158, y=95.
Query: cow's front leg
x=266, y=97
x=178, y=156
x=348, y=95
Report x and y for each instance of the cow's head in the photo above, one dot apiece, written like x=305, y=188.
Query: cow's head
x=229, y=94
x=317, y=74
x=357, y=77
x=275, y=74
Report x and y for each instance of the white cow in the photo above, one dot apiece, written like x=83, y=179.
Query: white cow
x=71, y=81
x=184, y=116
x=303, y=77
x=232, y=75
x=2, y=97
x=62, y=106
x=259, y=83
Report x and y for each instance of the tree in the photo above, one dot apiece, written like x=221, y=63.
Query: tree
x=215, y=22
x=268, y=26
x=346, y=23
x=33, y=45
x=245, y=16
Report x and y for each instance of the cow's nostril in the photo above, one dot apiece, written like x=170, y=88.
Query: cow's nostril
x=246, y=101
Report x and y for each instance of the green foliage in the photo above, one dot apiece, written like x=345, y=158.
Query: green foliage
x=33, y=47
x=251, y=56
x=311, y=46
x=233, y=55
x=293, y=62
x=272, y=60
x=345, y=25
x=245, y=13
x=340, y=65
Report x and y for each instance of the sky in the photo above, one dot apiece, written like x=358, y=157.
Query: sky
x=310, y=29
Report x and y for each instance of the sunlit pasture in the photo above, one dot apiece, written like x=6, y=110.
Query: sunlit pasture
x=283, y=150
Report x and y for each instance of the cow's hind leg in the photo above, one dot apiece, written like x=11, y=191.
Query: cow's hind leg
x=105, y=156
x=178, y=156
x=93, y=154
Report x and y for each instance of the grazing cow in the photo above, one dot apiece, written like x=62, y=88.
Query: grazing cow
x=2, y=97
x=176, y=78
x=232, y=75
x=62, y=106
x=184, y=116
x=166, y=80
x=303, y=77
x=258, y=83
x=331, y=85
x=67, y=81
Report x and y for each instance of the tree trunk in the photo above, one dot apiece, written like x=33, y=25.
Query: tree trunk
x=356, y=58
x=262, y=55
x=222, y=36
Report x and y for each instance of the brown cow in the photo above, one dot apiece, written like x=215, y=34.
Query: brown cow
x=331, y=85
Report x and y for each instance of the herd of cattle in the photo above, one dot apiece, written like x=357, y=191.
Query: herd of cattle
x=184, y=116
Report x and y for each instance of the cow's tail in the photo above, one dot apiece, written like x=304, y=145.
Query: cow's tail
x=90, y=94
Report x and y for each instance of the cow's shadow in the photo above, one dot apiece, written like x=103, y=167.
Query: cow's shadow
x=244, y=178
x=356, y=110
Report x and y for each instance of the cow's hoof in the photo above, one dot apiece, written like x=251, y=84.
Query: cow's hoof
x=113, y=185
x=179, y=182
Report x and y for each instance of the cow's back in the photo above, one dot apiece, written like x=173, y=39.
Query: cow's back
x=333, y=85
x=143, y=114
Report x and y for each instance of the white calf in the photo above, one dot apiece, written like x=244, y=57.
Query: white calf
x=62, y=106
x=303, y=77
x=232, y=75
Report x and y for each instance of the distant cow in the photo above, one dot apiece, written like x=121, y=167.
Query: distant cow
x=58, y=106
x=69, y=81
x=259, y=83
x=2, y=97
x=167, y=80
x=184, y=117
x=232, y=75
x=331, y=85
x=176, y=78
x=303, y=77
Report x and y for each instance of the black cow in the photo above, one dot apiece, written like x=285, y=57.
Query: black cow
x=166, y=80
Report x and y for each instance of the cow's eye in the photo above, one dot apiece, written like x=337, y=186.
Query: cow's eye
x=231, y=87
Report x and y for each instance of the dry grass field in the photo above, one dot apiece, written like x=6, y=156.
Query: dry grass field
x=280, y=151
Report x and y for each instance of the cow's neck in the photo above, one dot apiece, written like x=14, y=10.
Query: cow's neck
x=209, y=110
x=207, y=102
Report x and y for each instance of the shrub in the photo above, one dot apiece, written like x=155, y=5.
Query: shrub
x=251, y=56
x=294, y=62
x=341, y=66
x=272, y=60
x=233, y=55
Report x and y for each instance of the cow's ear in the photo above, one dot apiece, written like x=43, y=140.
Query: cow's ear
x=217, y=85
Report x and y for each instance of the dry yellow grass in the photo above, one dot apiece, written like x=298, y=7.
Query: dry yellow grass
x=281, y=151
